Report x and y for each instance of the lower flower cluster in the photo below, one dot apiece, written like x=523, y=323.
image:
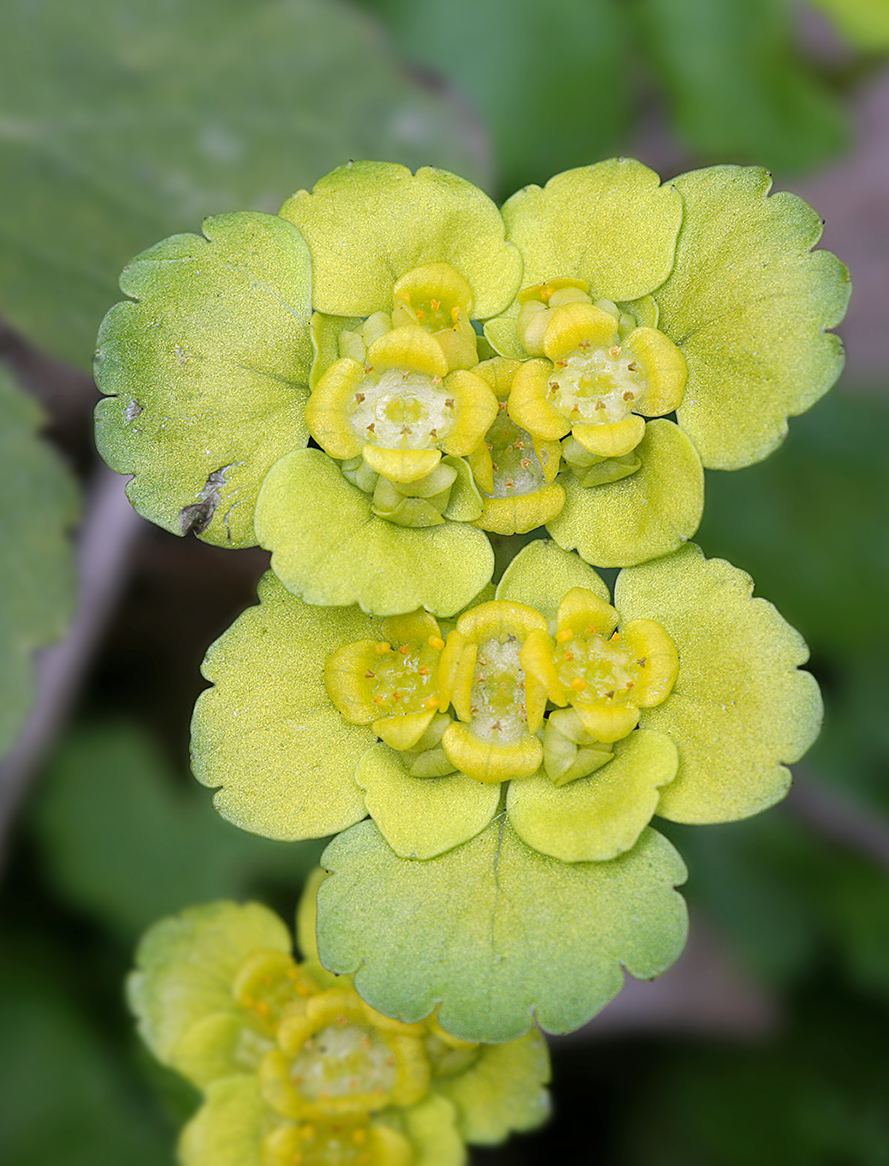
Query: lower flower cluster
x=297, y=1070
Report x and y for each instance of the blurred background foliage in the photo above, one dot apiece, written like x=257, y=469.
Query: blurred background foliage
x=122, y=121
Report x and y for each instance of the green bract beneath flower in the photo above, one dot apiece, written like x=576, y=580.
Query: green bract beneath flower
x=297, y=1068
x=589, y=717
x=702, y=297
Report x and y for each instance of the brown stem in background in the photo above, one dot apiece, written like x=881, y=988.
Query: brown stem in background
x=104, y=550
x=838, y=816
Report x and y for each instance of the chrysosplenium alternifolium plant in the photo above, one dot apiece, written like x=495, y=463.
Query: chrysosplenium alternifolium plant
x=296, y=1069
x=370, y=383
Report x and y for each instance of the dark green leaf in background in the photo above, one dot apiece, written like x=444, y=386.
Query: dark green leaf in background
x=737, y=89
x=38, y=505
x=122, y=121
x=122, y=843
x=549, y=79
x=65, y=1100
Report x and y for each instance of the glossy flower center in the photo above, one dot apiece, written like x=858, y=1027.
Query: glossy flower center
x=401, y=409
x=497, y=699
x=339, y=1061
x=517, y=469
x=592, y=667
x=404, y=679
x=595, y=384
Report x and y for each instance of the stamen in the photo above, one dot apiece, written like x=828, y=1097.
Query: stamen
x=436, y=642
x=382, y=648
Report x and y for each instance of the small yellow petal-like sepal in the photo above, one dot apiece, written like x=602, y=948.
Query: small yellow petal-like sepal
x=607, y=721
x=580, y=611
x=529, y=406
x=401, y=465
x=657, y=661
x=408, y=347
x=455, y=674
x=536, y=658
x=345, y=675
x=499, y=617
x=326, y=409
x=482, y=465
x=611, y=438
x=576, y=325
x=404, y=731
x=521, y=512
x=474, y=412
x=487, y=761
x=663, y=368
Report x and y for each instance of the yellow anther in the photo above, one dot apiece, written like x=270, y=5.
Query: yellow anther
x=404, y=649
x=564, y=636
x=382, y=648
x=436, y=642
x=378, y=700
x=308, y=1132
x=359, y=1137
x=430, y=702
x=578, y=684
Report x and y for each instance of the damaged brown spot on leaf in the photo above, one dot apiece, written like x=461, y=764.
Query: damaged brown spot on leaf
x=198, y=516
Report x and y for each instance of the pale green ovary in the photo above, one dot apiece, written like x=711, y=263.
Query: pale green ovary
x=338, y=1061
x=498, y=693
x=597, y=384
x=401, y=410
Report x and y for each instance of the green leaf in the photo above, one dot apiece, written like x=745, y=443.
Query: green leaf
x=267, y=733
x=369, y=223
x=597, y=817
x=66, y=1095
x=328, y=547
x=125, y=122
x=38, y=505
x=422, y=816
x=207, y=372
x=541, y=575
x=186, y=965
x=555, y=92
x=740, y=710
x=748, y=303
x=498, y=933
x=611, y=224
x=736, y=86
x=502, y=1092
x=650, y=513
x=124, y=841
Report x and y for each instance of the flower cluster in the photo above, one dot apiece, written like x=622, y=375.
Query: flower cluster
x=296, y=1068
x=369, y=384
x=578, y=719
x=463, y=369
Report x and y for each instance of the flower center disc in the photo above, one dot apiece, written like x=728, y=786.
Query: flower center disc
x=498, y=693
x=402, y=681
x=594, y=668
x=400, y=409
x=597, y=384
x=342, y=1061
